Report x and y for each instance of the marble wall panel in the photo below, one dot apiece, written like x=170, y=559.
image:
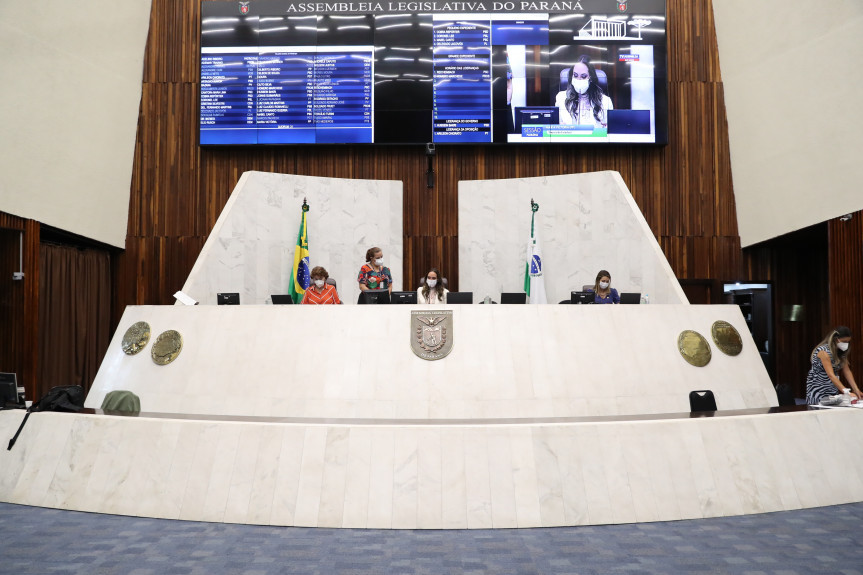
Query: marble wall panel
x=431, y=476
x=585, y=223
x=251, y=248
x=506, y=361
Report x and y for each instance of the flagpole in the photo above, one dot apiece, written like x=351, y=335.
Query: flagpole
x=534, y=284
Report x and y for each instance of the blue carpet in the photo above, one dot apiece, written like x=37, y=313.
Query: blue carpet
x=824, y=540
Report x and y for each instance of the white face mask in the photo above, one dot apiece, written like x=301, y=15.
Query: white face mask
x=580, y=85
x=603, y=285
x=319, y=283
x=431, y=283
x=842, y=345
x=379, y=261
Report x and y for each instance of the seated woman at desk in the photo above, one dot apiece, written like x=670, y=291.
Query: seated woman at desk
x=432, y=290
x=602, y=289
x=583, y=102
x=374, y=275
x=320, y=292
x=829, y=357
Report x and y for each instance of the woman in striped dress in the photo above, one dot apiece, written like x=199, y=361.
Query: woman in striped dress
x=829, y=357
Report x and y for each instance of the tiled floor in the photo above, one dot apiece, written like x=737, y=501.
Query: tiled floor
x=822, y=540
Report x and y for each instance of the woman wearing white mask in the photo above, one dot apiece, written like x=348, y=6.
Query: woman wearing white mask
x=829, y=357
x=602, y=289
x=432, y=290
x=583, y=102
x=374, y=274
x=320, y=292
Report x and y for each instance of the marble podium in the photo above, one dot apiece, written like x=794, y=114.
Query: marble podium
x=322, y=416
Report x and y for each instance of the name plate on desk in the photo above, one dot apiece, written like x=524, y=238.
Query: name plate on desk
x=431, y=333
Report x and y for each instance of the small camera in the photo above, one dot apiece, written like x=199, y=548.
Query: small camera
x=429, y=149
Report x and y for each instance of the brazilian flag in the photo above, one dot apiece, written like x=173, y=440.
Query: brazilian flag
x=300, y=274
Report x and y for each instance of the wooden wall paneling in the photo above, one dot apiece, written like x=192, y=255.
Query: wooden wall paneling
x=10, y=222
x=11, y=303
x=19, y=300
x=31, y=307
x=178, y=190
x=845, y=241
x=797, y=267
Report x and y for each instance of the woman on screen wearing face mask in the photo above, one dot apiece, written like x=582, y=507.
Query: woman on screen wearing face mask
x=602, y=289
x=432, y=290
x=374, y=274
x=320, y=292
x=583, y=102
x=828, y=359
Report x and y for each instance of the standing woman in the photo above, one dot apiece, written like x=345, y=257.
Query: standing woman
x=602, y=289
x=374, y=275
x=829, y=357
x=432, y=290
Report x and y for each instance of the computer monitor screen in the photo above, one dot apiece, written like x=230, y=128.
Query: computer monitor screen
x=527, y=118
x=403, y=297
x=630, y=297
x=374, y=296
x=228, y=298
x=282, y=299
x=459, y=297
x=515, y=297
x=8, y=389
x=291, y=72
x=583, y=297
x=629, y=121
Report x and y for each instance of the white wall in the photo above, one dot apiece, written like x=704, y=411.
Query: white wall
x=251, y=248
x=792, y=92
x=71, y=75
x=586, y=223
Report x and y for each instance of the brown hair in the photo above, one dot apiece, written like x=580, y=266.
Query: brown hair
x=370, y=253
x=839, y=357
x=319, y=272
x=438, y=288
x=600, y=275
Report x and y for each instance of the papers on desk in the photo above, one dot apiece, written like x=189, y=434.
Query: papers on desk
x=858, y=405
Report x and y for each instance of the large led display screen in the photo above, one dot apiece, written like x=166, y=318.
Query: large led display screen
x=581, y=71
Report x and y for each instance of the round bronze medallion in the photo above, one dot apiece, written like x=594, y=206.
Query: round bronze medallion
x=694, y=348
x=167, y=347
x=136, y=337
x=726, y=338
